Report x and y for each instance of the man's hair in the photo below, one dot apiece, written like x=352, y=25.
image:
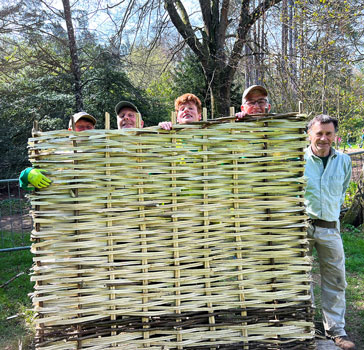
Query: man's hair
x=323, y=119
x=186, y=98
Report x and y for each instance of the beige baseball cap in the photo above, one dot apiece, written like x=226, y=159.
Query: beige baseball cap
x=248, y=90
x=79, y=115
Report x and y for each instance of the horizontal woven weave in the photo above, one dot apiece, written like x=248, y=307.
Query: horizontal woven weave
x=189, y=239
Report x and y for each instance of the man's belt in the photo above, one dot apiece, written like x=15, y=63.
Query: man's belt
x=323, y=223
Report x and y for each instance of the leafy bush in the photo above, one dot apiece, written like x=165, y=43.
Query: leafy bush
x=350, y=193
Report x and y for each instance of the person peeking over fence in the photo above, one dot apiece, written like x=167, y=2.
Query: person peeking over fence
x=188, y=108
x=254, y=101
x=83, y=121
x=126, y=114
x=31, y=178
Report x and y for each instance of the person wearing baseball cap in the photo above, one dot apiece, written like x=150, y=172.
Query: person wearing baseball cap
x=32, y=177
x=254, y=101
x=82, y=121
x=126, y=114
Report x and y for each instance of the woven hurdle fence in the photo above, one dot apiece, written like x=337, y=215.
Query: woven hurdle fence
x=188, y=239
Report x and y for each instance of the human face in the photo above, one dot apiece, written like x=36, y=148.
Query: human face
x=321, y=137
x=255, y=103
x=187, y=113
x=83, y=124
x=127, y=118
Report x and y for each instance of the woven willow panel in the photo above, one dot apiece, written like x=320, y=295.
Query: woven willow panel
x=189, y=239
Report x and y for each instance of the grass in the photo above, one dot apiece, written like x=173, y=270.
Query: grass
x=14, y=298
x=353, y=239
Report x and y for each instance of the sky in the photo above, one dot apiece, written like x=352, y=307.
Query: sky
x=100, y=23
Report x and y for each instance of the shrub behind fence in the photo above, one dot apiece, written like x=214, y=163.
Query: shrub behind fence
x=15, y=223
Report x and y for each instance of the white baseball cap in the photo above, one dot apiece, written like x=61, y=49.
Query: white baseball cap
x=79, y=115
x=248, y=90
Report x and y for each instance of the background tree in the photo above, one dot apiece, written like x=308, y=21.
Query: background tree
x=75, y=65
x=308, y=51
x=210, y=43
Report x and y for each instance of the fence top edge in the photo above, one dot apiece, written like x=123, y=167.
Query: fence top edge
x=263, y=117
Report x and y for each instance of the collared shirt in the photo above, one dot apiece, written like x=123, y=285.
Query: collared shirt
x=326, y=187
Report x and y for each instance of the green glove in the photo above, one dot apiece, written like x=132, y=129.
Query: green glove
x=37, y=179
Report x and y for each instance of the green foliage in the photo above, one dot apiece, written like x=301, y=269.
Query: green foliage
x=188, y=77
x=350, y=194
x=15, y=303
x=353, y=239
x=107, y=85
x=28, y=99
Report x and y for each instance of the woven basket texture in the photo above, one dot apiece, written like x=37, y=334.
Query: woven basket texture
x=193, y=238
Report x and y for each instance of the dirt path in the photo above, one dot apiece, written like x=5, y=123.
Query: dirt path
x=326, y=344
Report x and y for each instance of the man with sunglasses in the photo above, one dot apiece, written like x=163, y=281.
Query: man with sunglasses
x=254, y=101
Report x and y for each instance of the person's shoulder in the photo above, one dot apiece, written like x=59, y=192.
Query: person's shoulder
x=308, y=152
x=345, y=158
x=342, y=155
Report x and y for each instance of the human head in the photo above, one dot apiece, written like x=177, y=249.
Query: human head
x=126, y=114
x=255, y=100
x=83, y=121
x=322, y=132
x=188, y=108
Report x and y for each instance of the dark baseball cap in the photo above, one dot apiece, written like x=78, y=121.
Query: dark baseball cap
x=123, y=104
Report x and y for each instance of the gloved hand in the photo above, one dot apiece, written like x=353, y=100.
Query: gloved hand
x=37, y=179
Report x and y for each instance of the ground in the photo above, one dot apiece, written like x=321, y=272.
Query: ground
x=325, y=344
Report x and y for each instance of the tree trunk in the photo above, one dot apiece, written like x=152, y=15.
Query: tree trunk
x=284, y=41
x=248, y=62
x=292, y=41
x=219, y=62
x=219, y=86
x=75, y=65
x=354, y=216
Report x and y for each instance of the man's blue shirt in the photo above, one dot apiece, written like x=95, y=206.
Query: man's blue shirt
x=326, y=187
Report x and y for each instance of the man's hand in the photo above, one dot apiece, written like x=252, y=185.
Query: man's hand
x=37, y=179
x=240, y=115
x=165, y=125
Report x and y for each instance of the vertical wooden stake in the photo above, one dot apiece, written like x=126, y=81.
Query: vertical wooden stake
x=204, y=114
x=300, y=107
x=138, y=123
x=174, y=117
x=236, y=207
x=110, y=241
x=232, y=113
x=107, y=121
x=40, y=328
x=206, y=220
